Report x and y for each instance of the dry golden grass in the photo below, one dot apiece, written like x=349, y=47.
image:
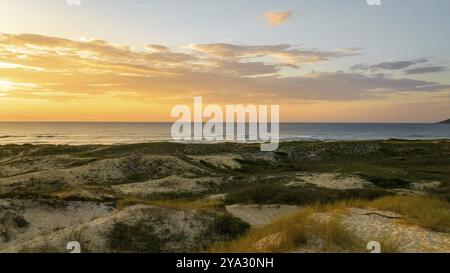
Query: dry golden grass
x=290, y=233
x=181, y=204
x=426, y=212
x=390, y=245
x=336, y=236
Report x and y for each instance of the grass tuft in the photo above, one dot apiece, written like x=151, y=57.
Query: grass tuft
x=182, y=204
x=426, y=212
x=390, y=245
x=289, y=233
x=295, y=231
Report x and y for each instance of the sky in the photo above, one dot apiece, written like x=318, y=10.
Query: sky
x=320, y=60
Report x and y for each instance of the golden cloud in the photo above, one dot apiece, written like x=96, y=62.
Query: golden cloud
x=51, y=68
x=276, y=18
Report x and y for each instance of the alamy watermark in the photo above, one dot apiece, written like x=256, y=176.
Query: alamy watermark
x=250, y=123
x=373, y=246
x=74, y=247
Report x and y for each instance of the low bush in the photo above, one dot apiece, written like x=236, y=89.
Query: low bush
x=387, y=182
x=229, y=226
x=139, y=237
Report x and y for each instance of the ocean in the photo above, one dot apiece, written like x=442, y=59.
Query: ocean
x=79, y=133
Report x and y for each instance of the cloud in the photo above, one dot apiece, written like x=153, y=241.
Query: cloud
x=156, y=48
x=275, y=18
x=341, y=86
x=399, y=65
x=408, y=67
x=246, y=69
x=39, y=46
x=283, y=53
x=63, y=69
x=426, y=69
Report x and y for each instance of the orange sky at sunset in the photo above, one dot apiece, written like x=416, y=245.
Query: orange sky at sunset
x=46, y=75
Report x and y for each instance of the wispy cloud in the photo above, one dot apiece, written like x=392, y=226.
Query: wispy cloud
x=426, y=69
x=412, y=67
x=276, y=18
x=397, y=65
x=282, y=53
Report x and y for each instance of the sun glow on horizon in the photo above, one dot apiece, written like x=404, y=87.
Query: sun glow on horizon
x=5, y=86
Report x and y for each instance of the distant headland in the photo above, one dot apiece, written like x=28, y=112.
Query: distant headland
x=445, y=122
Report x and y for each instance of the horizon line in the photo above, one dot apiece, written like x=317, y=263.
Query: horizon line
x=281, y=122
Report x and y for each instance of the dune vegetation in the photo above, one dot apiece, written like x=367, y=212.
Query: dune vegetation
x=292, y=233
x=344, y=193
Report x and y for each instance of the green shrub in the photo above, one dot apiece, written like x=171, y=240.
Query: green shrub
x=229, y=226
x=386, y=182
x=139, y=237
x=280, y=194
